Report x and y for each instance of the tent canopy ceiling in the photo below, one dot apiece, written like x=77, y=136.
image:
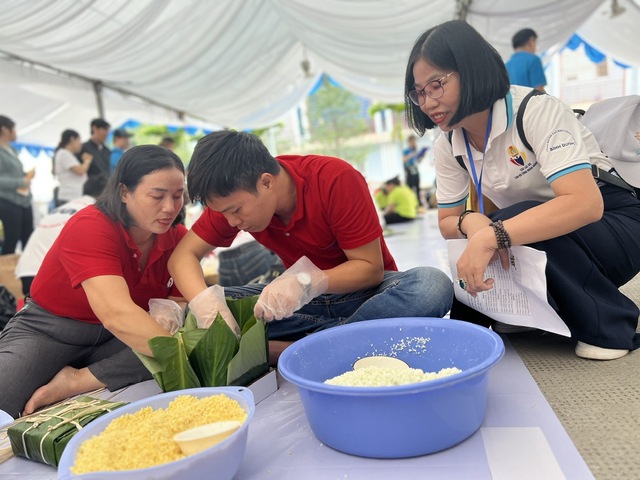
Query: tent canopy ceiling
x=238, y=63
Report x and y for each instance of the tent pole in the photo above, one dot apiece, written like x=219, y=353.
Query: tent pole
x=97, y=88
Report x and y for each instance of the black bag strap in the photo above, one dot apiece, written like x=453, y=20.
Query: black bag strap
x=520, y=116
x=458, y=157
x=597, y=173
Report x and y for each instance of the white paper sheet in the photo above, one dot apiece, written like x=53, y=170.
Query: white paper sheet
x=519, y=295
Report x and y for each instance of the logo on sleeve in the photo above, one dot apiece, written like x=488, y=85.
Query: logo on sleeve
x=516, y=157
x=560, y=139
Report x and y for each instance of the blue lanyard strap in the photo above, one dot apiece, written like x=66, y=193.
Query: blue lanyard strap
x=478, y=181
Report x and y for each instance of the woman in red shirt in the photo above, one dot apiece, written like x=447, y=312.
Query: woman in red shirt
x=90, y=298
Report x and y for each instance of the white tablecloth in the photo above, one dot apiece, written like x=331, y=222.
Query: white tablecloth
x=521, y=438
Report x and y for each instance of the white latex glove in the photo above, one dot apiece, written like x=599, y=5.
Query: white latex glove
x=206, y=305
x=296, y=287
x=167, y=313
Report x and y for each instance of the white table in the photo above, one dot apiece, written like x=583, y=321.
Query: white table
x=520, y=438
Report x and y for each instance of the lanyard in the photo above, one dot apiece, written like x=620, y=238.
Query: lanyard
x=478, y=181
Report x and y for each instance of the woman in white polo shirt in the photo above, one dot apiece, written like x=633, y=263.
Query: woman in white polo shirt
x=546, y=197
x=71, y=173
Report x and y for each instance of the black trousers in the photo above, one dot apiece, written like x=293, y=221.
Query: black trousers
x=584, y=270
x=393, y=217
x=413, y=182
x=17, y=223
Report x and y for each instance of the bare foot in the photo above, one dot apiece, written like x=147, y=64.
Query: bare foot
x=67, y=382
x=276, y=347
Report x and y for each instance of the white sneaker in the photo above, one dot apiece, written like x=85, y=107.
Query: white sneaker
x=584, y=350
x=500, y=327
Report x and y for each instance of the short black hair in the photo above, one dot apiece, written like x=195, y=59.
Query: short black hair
x=167, y=141
x=393, y=181
x=134, y=164
x=456, y=46
x=521, y=37
x=94, y=186
x=7, y=123
x=66, y=137
x=226, y=161
x=99, y=123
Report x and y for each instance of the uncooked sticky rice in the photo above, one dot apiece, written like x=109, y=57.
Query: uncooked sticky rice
x=388, y=377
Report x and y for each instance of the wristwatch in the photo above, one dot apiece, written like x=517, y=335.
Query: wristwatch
x=304, y=279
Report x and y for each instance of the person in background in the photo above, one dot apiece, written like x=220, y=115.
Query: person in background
x=120, y=145
x=401, y=202
x=547, y=198
x=168, y=142
x=71, y=174
x=317, y=214
x=381, y=197
x=48, y=230
x=16, y=211
x=100, y=165
x=91, y=297
x=524, y=66
x=411, y=158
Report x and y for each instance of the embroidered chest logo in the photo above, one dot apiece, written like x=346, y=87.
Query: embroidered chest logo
x=170, y=283
x=516, y=157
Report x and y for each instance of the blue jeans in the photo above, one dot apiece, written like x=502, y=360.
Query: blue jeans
x=418, y=292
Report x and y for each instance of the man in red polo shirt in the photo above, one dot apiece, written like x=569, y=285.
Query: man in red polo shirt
x=317, y=214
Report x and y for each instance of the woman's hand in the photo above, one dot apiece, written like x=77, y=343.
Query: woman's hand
x=472, y=223
x=481, y=250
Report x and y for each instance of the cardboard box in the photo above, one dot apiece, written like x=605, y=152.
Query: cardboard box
x=264, y=386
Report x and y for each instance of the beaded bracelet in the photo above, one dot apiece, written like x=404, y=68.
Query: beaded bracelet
x=460, y=218
x=502, y=237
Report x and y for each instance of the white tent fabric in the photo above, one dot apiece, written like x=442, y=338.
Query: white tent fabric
x=238, y=63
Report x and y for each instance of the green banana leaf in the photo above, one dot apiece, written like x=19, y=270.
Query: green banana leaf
x=191, y=338
x=252, y=359
x=242, y=310
x=44, y=436
x=177, y=372
x=154, y=367
x=214, y=356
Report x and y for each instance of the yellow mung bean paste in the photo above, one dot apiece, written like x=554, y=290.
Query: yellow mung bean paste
x=145, y=438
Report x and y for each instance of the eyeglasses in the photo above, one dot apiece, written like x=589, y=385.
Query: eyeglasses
x=432, y=89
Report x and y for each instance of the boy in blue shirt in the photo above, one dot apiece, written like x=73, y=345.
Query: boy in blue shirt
x=524, y=66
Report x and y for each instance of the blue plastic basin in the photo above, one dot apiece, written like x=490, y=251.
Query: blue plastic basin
x=224, y=458
x=398, y=421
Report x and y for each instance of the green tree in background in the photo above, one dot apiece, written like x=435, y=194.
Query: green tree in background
x=398, y=111
x=275, y=139
x=335, y=117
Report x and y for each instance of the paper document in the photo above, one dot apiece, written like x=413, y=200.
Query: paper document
x=518, y=296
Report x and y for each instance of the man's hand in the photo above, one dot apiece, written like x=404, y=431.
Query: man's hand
x=296, y=287
x=206, y=306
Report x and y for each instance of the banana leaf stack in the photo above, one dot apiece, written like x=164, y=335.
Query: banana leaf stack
x=43, y=436
x=213, y=357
